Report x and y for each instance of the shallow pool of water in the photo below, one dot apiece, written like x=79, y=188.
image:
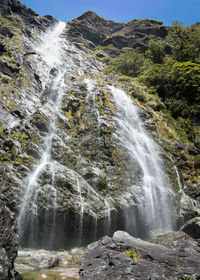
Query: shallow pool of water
x=51, y=274
x=33, y=264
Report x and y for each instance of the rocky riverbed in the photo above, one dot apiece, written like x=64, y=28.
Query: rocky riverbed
x=50, y=265
x=172, y=256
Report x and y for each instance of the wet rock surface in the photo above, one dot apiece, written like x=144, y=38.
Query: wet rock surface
x=86, y=168
x=8, y=243
x=125, y=257
x=42, y=260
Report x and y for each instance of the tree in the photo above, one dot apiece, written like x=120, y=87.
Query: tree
x=155, y=51
x=185, y=79
x=185, y=42
x=175, y=79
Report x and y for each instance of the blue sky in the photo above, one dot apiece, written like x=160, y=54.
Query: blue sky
x=186, y=11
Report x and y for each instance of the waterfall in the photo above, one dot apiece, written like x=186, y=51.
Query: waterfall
x=147, y=203
x=51, y=52
x=107, y=214
x=94, y=111
x=179, y=181
x=81, y=211
x=91, y=99
x=153, y=194
x=186, y=203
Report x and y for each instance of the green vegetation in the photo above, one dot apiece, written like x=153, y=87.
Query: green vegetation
x=178, y=85
x=133, y=255
x=155, y=51
x=173, y=78
x=102, y=183
x=165, y=79
x=185, y=42
x=130, y=63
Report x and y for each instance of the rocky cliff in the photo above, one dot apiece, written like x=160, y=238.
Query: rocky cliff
x=112, y=36
x=58, y=130
x=8, y=243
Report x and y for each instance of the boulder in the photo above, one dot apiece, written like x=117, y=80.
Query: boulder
x=125, y=257
x=8, y=243
x=192, y=227
x=177, y=240
x=44, y=259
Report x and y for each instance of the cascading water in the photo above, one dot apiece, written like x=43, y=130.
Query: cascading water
x=81, y=211
x=91, y=99
x=186, y=202
x=51, y=53
x=152, y=195
x=84, y=208
x=38, y=229
x=107, y=214
x=94, y=111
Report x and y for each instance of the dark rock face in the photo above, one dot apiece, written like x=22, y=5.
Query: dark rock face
x=91, y=19
x=8, y=7
x=14, y=6
x=193, y=150
x=8, y=243
x=7, y=70
x=125, y=257
x=121, y=42
x=192, y=227
x=100, y=31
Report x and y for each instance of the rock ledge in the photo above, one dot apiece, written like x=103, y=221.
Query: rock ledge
x=125, y=257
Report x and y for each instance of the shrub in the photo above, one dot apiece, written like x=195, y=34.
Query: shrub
x=129, y=63
x=178, y=84
x=155, y=51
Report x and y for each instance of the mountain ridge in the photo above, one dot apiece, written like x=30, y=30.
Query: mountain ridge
x=100, y=31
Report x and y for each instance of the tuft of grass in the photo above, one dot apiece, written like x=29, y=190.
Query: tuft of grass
x=133, y=255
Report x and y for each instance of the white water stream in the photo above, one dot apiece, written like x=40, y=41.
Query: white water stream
x=51, y=52
x=94, y=110
x=154, y=191
x=80, y=230
x=107, y=214
x=186, y=202
x=91, y=99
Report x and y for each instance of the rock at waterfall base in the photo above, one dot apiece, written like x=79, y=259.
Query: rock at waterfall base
x=192, y=227
x=125, y=257
x=42, y=259
x=8, y=243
